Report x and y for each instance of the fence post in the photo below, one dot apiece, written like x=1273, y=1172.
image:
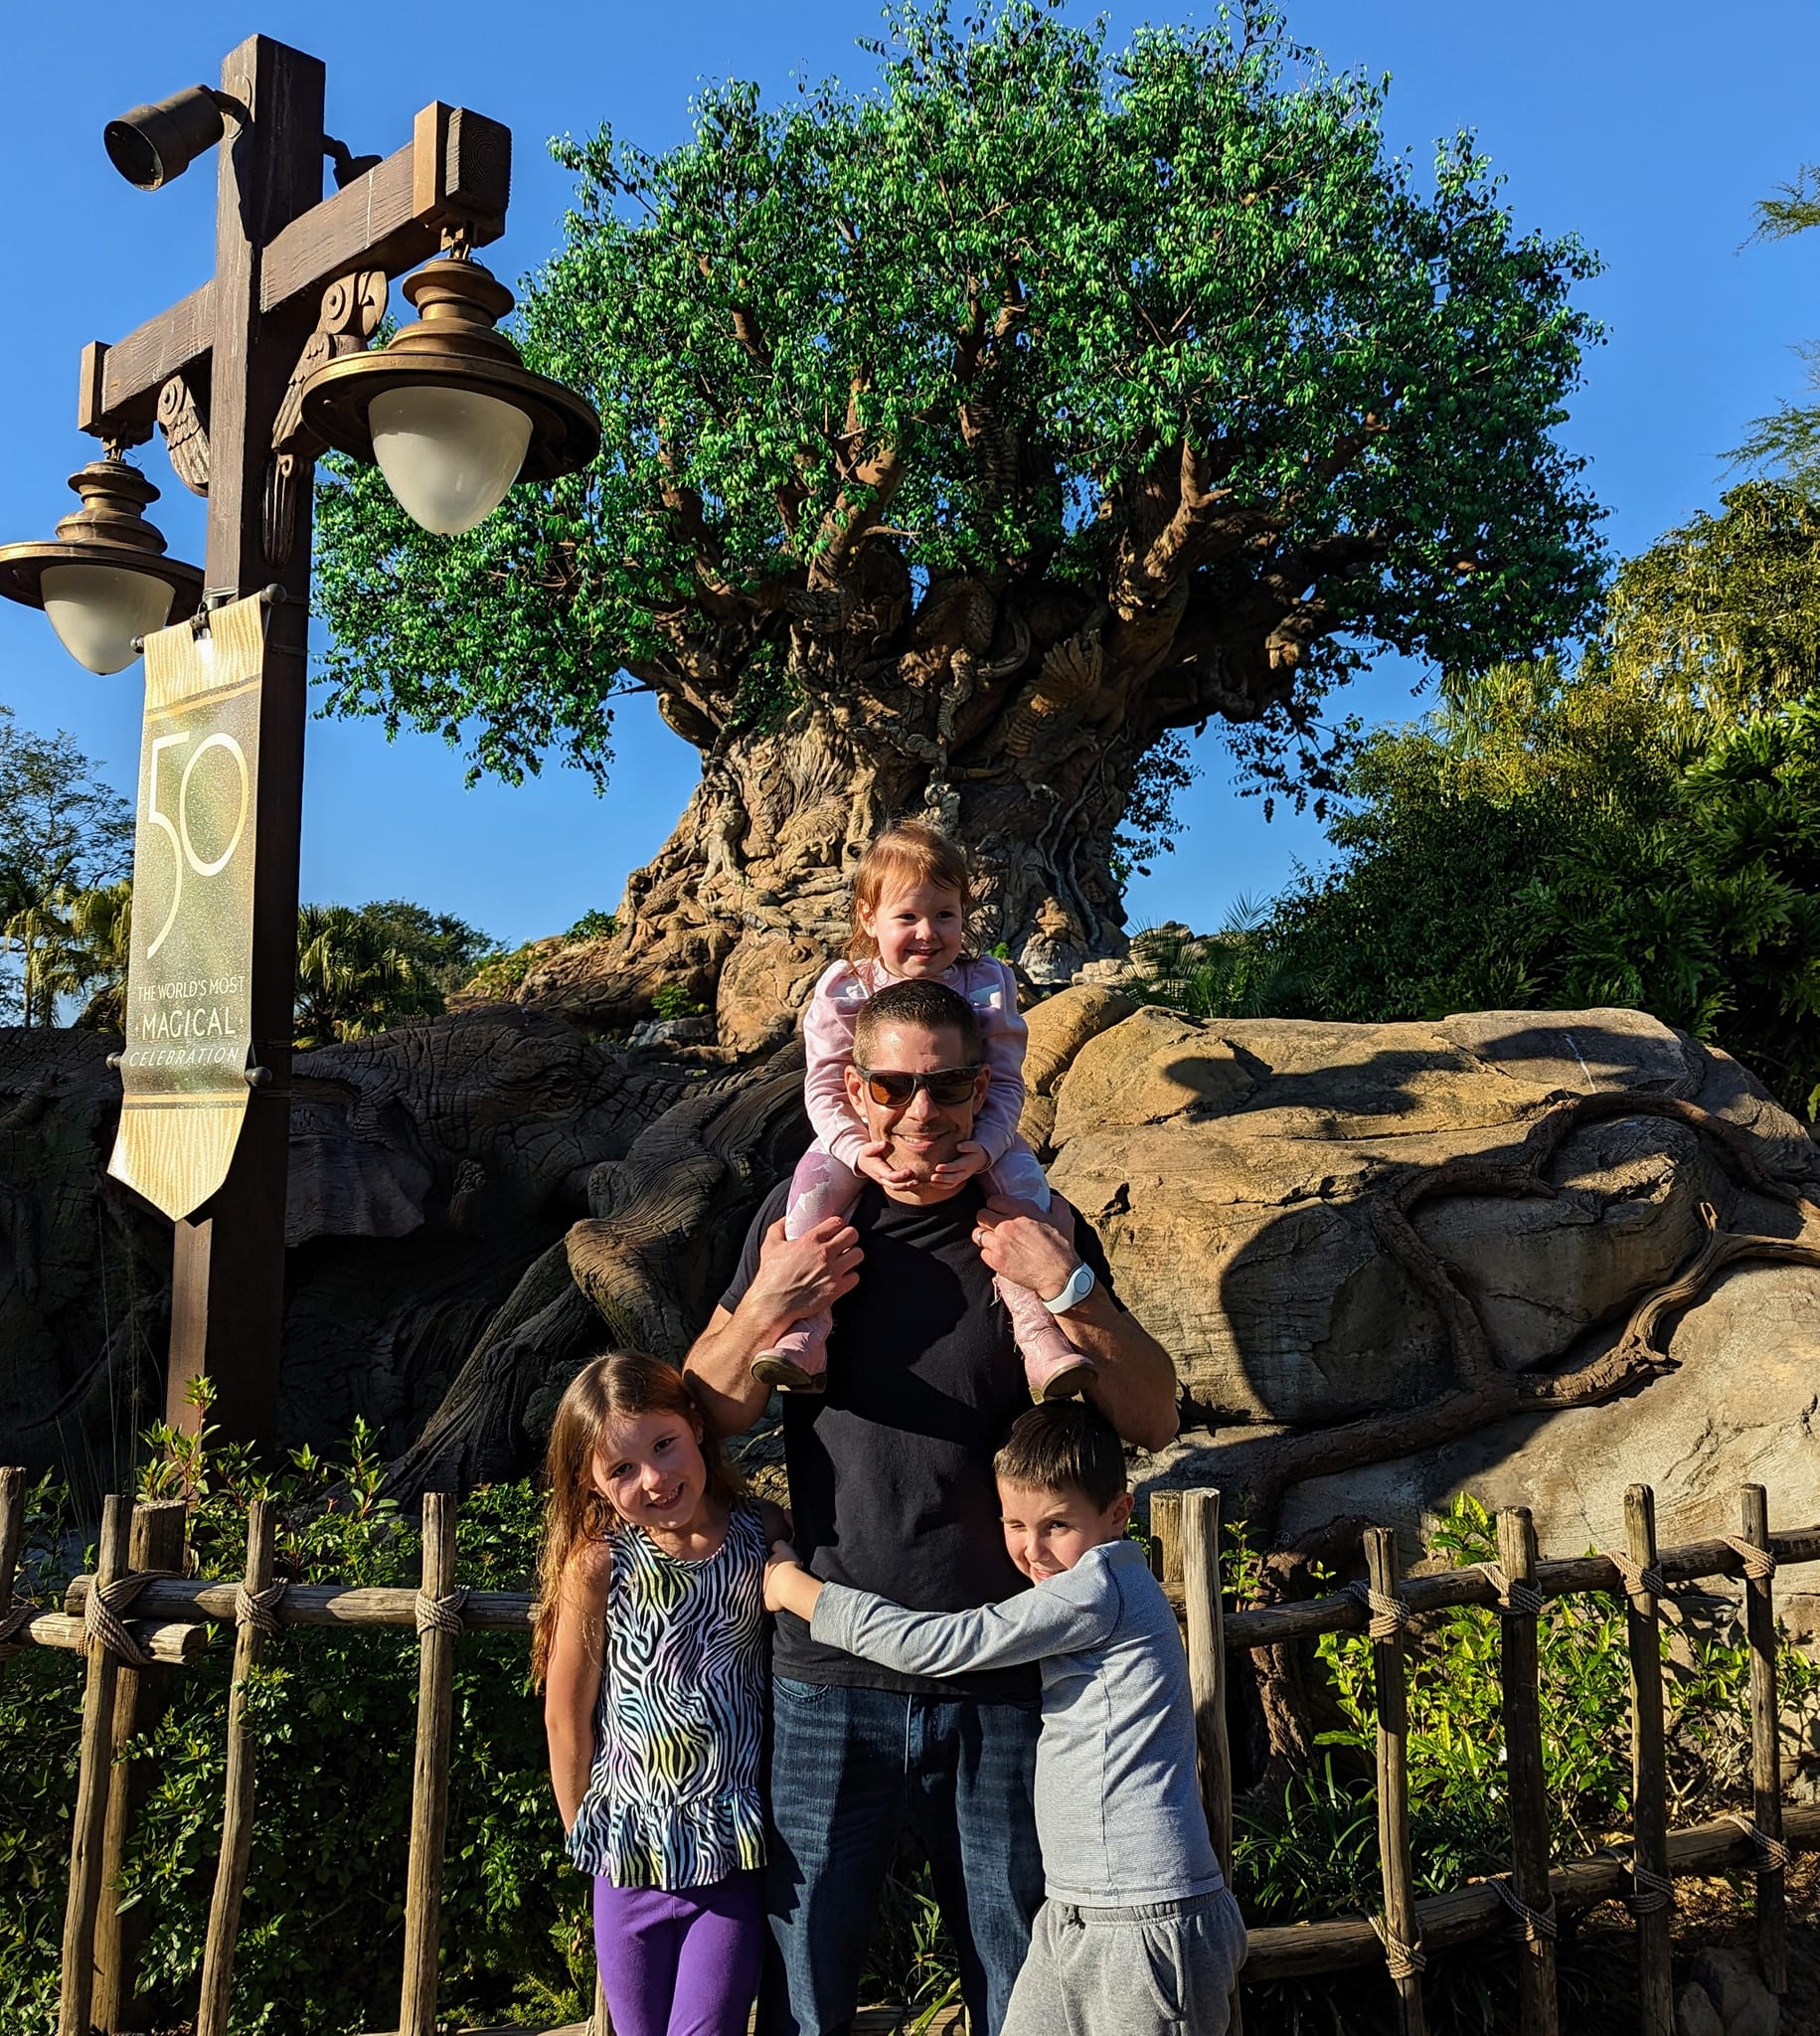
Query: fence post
x=253, y=1613
x=1765, y=1751
x=1401, y=1931
x=1652, y=1889
x=141, y=1697
x=90, y=1822
x=1166, y=1540
x=1521, y=1666
x=439, y=1621
x=1200, y=1540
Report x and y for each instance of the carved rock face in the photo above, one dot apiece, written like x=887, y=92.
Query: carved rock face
x=1233, y=1169
x=389, y=1132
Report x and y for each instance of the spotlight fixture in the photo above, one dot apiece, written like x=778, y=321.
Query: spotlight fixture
x=448, y=410
x=153, y=144
x=102, y=579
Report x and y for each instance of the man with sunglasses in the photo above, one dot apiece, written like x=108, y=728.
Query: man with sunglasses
x=892, y=1491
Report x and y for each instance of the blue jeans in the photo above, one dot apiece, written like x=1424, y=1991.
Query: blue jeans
x=851, y=1772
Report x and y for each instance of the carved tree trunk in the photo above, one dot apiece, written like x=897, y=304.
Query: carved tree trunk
x=1018, y=713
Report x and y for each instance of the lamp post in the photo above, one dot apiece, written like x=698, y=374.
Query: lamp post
x=249, y=377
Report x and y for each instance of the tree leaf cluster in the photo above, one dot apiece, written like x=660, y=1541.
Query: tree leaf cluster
x=63, y=831
x=1638, y=830
x=978, y=316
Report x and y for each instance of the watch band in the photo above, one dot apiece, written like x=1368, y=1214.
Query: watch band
x=1080, y=1283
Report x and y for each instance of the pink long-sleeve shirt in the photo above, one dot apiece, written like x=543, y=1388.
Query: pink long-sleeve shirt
x=827, y=1033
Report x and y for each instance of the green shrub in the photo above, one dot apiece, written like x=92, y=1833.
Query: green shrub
x=671, y=1000
x=1310, y=1849
x=332, y=1719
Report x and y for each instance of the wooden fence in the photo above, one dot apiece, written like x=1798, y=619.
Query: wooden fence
x=134, y=1619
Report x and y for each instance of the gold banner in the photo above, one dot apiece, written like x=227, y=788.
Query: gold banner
x=189, y=1035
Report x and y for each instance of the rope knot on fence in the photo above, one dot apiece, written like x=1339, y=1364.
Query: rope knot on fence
x=260, y=1609
x=1537, y=1924
x=1388, y=1616
x=1759, y=1564
x=1771, y=1853
x=1404, y=1960
x=1516, y=1598
x=1650, y=1892
x=1641, y=1580
x=442, y=1615
x=105, y=1615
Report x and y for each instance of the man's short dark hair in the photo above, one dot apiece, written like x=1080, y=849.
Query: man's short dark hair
x=931, y=1006
x=1065, y=1446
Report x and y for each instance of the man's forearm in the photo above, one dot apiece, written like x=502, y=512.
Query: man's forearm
x=720, y=1362
x=1135, y=1386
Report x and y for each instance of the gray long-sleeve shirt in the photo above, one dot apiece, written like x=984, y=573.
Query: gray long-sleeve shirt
x=1118, y=1810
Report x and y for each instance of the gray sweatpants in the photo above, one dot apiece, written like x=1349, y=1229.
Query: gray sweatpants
x=1165, y=1968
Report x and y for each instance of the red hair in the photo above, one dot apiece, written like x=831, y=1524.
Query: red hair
x=913, y=852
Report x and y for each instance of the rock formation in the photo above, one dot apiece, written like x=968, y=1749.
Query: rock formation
x=1536, y=1255
x=1397, y=1262
x=429, y=1167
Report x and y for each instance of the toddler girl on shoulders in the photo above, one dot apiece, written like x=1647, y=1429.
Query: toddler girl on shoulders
x=912, y=895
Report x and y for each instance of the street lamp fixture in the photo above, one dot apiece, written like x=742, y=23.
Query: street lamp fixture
x=448, y=410
x=104, y=580
x=227, y=373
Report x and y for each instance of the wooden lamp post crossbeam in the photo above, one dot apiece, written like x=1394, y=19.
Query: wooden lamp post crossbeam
x=249, y=377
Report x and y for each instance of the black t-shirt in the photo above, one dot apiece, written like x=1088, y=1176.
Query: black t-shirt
x=890, y=1469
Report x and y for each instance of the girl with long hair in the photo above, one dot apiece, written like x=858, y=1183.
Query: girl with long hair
x=648, y=1640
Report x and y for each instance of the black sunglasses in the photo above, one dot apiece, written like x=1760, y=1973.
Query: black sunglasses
x=948, y=1088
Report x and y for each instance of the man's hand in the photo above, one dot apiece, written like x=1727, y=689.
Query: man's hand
x=800, y=1277
x=875, y=1166
x=796, y=1278
x=788, y=1586
x=969, y=1158
x=1030, y=1250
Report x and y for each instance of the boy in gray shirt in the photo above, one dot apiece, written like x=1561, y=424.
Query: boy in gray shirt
x=1139, y=1935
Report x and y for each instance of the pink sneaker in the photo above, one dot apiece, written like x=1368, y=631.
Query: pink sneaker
x=1052, y=1367
x=799, y=1361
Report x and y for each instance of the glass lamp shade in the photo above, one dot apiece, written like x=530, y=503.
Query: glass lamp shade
x=97, y=611
x=450, y=455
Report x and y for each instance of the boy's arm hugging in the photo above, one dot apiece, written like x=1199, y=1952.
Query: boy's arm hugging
x=572, y=1686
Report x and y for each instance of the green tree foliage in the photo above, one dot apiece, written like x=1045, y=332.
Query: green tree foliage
x=354, y=978
x=1724, y=612
x=62, y=831
x=75, y=944
x=442, y=949
x=1000, y=314
x=1638, y=831
x=1451, y=824
x=1788, y=440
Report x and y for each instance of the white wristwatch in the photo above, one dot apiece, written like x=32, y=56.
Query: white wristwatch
x=1080, y=1283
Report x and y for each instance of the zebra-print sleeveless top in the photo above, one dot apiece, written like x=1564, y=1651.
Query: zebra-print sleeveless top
x=673, y=1800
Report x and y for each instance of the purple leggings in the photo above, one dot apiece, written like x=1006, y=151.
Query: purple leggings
x=682, y=1963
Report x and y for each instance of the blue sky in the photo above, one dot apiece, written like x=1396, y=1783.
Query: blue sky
x=1648, y=127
